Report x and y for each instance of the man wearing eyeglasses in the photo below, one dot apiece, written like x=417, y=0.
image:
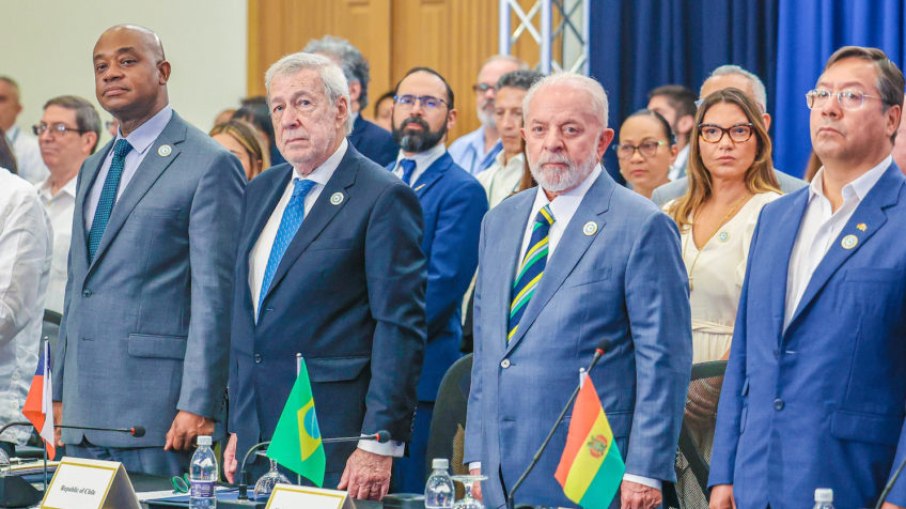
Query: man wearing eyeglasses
x=815, y=386
x=476, y=151
x=67, y=134
x=453, y=204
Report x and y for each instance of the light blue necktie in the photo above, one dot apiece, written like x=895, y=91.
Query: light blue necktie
x=289, y=225
x=408, y=166
x=108, y=196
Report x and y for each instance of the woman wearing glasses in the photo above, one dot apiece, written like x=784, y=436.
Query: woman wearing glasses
x=646, y=150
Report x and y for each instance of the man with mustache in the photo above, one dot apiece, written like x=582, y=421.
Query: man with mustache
x=453, y=203
x=814, y=390
x=562, y=266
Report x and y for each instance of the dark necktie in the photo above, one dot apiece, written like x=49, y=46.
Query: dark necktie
x=108, y=196
x=408, y=166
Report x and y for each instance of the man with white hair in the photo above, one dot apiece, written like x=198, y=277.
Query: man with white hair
x=561, y=267
x=330, y=268
x=476, y=151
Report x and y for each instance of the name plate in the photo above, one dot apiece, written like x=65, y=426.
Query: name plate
x=287, y=496
x=90, y=484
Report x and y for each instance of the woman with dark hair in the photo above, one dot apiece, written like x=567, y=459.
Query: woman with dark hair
x=241, y=139
x=7, y=157
x=646, y=150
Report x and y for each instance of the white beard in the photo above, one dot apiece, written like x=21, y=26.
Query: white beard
x=556, y=181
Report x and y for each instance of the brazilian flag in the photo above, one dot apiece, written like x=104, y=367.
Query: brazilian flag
x=296, y=443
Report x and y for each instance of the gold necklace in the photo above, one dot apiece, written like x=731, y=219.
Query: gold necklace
x=690, y=238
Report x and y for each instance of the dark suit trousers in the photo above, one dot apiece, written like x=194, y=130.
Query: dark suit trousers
x=143, y=460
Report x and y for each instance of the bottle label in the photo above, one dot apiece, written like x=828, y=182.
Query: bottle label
x=202, y=489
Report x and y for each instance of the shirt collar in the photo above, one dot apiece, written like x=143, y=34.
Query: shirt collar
x=566, y=204
x=423, y=160
x=12, y=133
x=322, y=174
x=144, y=135
x=516, y=159
x=858, y=188
x=69, y=188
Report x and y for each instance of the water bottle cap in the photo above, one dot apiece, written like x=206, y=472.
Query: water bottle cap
x=440, y=463
x=824, y=495
x=204, y=440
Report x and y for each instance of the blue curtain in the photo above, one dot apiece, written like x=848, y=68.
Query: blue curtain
x=639, y=45
x=809, y=32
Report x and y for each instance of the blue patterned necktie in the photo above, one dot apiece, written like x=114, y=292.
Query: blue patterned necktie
x=532, y=268
x=289, y=225
x=408, y=166
x=108, y=196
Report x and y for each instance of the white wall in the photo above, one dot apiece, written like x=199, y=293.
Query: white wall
x=47, y=47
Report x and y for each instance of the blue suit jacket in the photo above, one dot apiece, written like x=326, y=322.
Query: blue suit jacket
x=348, y=295
x=820, y=405
x=625, y=282
x=146, y=323
x=373, y=142
x=453, y=204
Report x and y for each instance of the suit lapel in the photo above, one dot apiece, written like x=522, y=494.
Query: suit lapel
x=151, y=168
x=869, y=213
x=573, y=245
x=86, y=182
x=506, y=246
x=434, y=172
x=784, y=238
x=263, y=213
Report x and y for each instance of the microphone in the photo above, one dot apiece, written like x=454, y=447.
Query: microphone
x=511, y=498
x=381, y=437
x=890, y=483
x=136, y=431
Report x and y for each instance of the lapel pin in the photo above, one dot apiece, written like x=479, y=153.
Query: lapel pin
x=723, y=236
x=164, y=150
x=336, y=198
x=419, y=187
x=861, y=227
x=849, y=242
x=590, y=228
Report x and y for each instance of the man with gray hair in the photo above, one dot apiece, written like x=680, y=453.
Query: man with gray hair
x=561, y=267
x=369, y=139
x=330, y=268
x=24, y=145
x=727, y=76
x=67, y=133
x=476, y=151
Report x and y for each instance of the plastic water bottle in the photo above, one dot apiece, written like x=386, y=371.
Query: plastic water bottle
x=202, y=476
x=824, y=498
x=439, y=488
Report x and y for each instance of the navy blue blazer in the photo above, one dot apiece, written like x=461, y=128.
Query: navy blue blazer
x=373, y=142
x=453, y=204
x=820, y=404
x=348, y=295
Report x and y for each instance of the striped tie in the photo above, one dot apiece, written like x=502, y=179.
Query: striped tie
x=531, y=270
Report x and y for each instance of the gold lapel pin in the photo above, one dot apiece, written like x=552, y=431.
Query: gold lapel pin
x=419, y=187
x=861, y=227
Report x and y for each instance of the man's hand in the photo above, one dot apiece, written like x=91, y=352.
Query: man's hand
x=367, y=475
x=58, y=419
x=639, y=496
x=722, y=497
x=230, y=463
x=476, y=488
x=186, y=426
x=888, y=505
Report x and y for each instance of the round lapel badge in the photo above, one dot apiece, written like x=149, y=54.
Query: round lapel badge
x=336, y=198
x=590, y=228
x=849, y=242
x=723, y=236
x=164, y=150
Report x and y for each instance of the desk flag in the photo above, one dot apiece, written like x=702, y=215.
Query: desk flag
x=38, y=408
x=296, y=443
x=591, y=467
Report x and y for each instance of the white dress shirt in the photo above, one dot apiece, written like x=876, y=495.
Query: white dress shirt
x=501, y=179
x=25, y=257
x=60, y=209
x=141, y=140
x=678, y=168
x=820, y=228
x=423, y=161
x=261, y=251
x=29, y=163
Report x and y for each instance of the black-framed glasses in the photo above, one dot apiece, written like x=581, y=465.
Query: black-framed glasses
x=646, y=148
x=713, y=133
x=429, y=102
x=846, y=98
x=59, y=128
x=480, y=88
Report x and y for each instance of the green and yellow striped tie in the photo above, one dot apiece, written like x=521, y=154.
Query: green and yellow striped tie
x=531, y=269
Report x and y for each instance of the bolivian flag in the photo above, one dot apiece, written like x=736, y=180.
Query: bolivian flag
x=296, y=443
x=591, y=468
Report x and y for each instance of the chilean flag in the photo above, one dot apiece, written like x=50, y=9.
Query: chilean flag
x=39, y=404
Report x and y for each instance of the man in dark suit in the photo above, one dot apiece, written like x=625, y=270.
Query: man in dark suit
x=453, y=204
x=329, y=267
x=147, y=305
x=369, y=139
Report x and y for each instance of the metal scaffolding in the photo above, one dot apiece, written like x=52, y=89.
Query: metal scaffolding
x=571, y=30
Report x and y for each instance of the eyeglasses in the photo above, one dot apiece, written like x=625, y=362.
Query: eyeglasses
x=429, y=102
x=481, y=88
x=847, y=99
x=60, y=129
x=714, y=133
x=646, y=149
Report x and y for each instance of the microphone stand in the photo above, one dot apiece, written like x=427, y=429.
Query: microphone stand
x=890, y=483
